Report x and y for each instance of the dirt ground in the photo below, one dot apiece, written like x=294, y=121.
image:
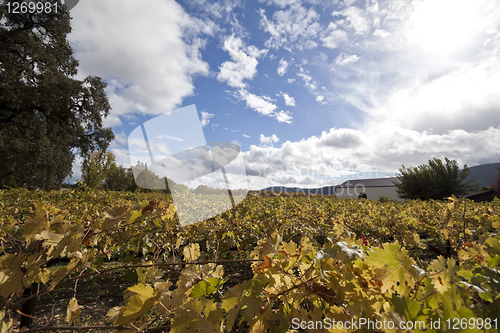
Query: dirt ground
x=99, y=293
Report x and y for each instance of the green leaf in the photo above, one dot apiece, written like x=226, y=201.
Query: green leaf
x=205, y=288
x=135, y=215
x=407, y=307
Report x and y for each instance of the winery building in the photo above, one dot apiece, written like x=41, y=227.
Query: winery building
x=374, y=188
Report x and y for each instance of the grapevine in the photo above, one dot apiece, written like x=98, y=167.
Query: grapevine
x=312, y=259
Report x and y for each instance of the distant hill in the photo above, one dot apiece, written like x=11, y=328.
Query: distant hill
x=327, y=190
x=485, y=174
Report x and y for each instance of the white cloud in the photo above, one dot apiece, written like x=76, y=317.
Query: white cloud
x=321, y=99
x=292, y=27
x=111, y=120
x=281, y=3
x=284, y=117
x=465, y=99
x=310, y=44
x=290, y=101
x=343, y=59
x=136, y=63
x=205, y=118
x=283, y=65
x=264, y=105
x=339, y=153
x=308, y=79
x=166, y=136
x=443, y=26
x=333, y=37
x=268, y=139
x=246, y=136
x=354, y=19
x=243, y=65
x=261, y=104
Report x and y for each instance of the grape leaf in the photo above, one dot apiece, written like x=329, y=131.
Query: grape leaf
x=73, y=312
x=442, y=277
x=393, y=268
x=11, y=276
x=140, y=298
x=191, y=252
x=205, y=288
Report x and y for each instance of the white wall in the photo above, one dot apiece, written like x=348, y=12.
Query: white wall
x=372, y=193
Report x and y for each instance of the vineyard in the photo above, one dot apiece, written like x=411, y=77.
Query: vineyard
x=272, y=264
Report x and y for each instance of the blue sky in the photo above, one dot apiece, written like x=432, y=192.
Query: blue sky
x=314, y=92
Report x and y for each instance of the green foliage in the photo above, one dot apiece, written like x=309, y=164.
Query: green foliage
x=119, y=178
x=46, y=115
x=435, y=180
x=97, y=167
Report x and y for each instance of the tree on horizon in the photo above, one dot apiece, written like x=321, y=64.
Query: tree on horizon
x=435, y=180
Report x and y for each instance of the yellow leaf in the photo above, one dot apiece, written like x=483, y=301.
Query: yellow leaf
x=394, y=268
x=191, y=252
x=73, y=311
x=11, y=276
x=5, y=326
x=142, y=289
x=290, y=248
x=140, y=298
x=442, y=273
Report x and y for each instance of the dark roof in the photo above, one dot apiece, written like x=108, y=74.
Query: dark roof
x=479, y=196
x=374, y=182
x=485, y=174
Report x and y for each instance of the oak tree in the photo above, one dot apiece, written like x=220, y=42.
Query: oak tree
x=47, y=116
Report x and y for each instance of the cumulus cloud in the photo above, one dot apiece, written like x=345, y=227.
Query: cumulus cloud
x=341, y=138
x=243, y=64
x=284, y=117
x=268, y=139
x=290, y=101
x=140, y=78
x=339, y=154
